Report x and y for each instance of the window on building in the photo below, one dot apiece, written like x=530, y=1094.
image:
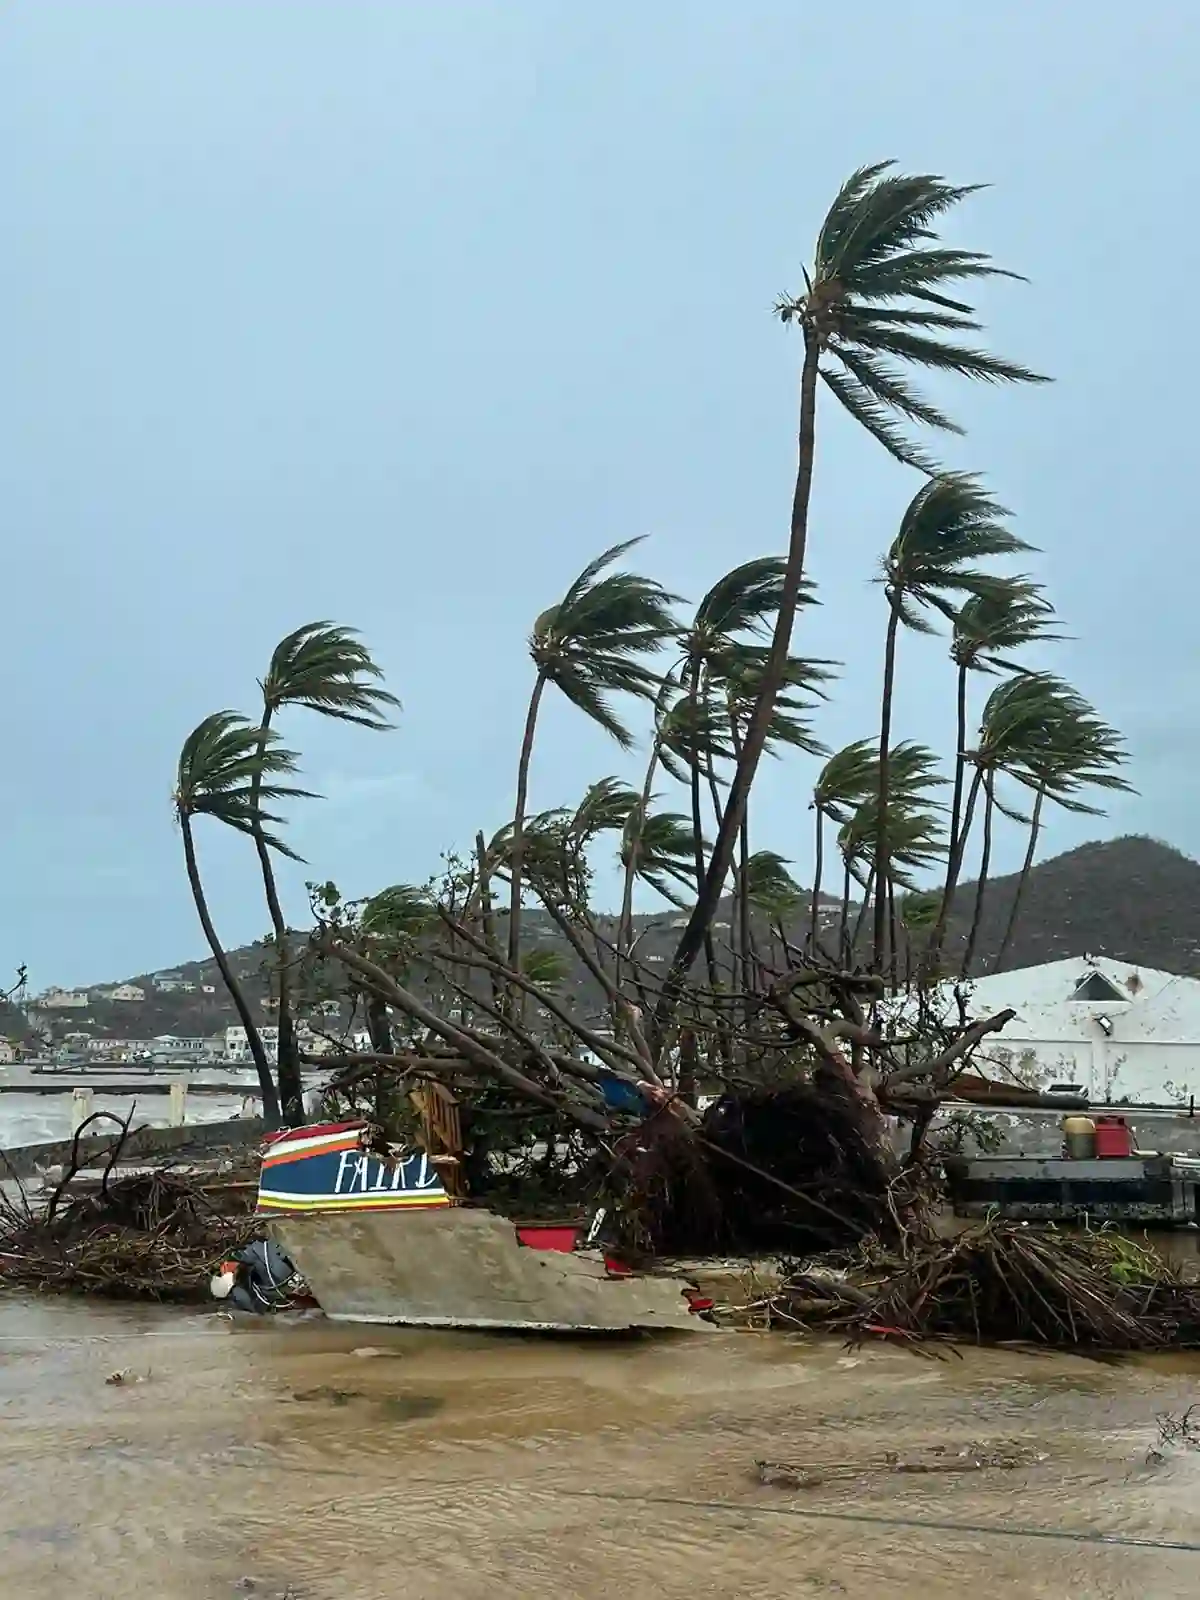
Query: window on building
x=1097, y=987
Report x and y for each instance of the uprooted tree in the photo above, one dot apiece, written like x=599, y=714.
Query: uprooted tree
x=573, y=1052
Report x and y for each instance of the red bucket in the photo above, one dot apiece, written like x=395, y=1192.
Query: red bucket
x=1113, y=1137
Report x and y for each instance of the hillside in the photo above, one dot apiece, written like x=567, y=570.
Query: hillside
x=1132, y=898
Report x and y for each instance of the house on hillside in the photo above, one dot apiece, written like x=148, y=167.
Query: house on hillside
x=173, y=983
x=63, y=1000
x=130, y=992
x=1122, y=1033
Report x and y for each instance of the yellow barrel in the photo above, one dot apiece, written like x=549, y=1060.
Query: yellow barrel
x=1079, y=1138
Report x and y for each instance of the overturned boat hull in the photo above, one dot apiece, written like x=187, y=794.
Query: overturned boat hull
x=377, y=1239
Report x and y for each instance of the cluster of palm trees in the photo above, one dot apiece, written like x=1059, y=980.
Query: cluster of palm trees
x=724, y=687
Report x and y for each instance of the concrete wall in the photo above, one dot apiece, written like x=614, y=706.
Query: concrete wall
x=22, y=1161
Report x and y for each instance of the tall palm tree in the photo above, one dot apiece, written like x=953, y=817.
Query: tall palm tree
x=804, y=681
x=989, y=627
x=227, y=770
x=875, y=302
x=1023, y=720
x=590, y=646
x=844, y=782
x=950, y=525
x=736, y=610
x=915, y=777
x=1080, y=752
x=918, y=841
x=326, y=669
x=661, y=854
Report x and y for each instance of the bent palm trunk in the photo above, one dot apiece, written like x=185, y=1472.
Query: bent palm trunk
x=885, y=742
x=266, y=1081
x=705, y=908
x=291, y=1086
x=985, y=861
x=1035, y=823
x=518, y=833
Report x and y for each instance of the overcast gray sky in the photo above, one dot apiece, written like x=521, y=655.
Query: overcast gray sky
x=398, y=313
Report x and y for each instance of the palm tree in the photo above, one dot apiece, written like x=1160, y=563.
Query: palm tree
x=1025, y=722
x=949, y=526
x=914, y=777
x=989, y=628
x=659, y=852
x=1080, y=752
x=804, y=682
x=918, y=840
x=688, y=735
x=227, y=769
x=590, y=647
x=874, y=302
x=328, y=670
x=844, y=782
x=391, y=921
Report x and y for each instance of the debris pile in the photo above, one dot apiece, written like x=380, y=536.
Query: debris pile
x=1005, y=1283
x=154, y=1235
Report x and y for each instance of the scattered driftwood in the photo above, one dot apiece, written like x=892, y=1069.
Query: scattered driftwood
x=1006, y=1283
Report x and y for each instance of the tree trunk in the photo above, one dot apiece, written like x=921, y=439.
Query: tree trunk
x=844, y=932
x=518, y=832
x=985, y=861
x=266, y=1081
x=744, y=945
x=953, y=869
x=291, y=1083
x=868, y=890
x=885, y=746
x=814, y=912
x=1035, y=824
x=625, y=922
x=953, y=858
x=764, y=706
x=710, y=948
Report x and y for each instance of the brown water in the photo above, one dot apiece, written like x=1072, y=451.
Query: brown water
x=268, y=1458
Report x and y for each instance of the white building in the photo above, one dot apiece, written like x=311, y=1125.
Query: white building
x=63, y=1000
x=124, y=991
x=173, y=1047
x=1122, y=1033
x=172, y=983
x=8, y=1052
x=237, y=1048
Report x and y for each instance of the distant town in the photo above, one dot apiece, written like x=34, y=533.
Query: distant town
x=89, y=1026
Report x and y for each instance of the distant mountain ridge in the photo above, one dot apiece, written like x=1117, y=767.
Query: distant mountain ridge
x=1134, y=899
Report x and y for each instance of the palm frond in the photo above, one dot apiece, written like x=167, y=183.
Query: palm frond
x=328, y=669
x=878, y=269
x=402, y=911
x=226, y=771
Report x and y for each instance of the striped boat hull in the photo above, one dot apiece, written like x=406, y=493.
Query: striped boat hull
x=326, y=1168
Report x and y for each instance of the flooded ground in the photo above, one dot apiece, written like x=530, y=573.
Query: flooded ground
x=274, y=1458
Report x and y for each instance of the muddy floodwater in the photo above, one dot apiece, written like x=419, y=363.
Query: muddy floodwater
x=291, y=1457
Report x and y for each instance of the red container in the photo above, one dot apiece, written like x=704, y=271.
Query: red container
x=1113, y=1138
x=549, y=1237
